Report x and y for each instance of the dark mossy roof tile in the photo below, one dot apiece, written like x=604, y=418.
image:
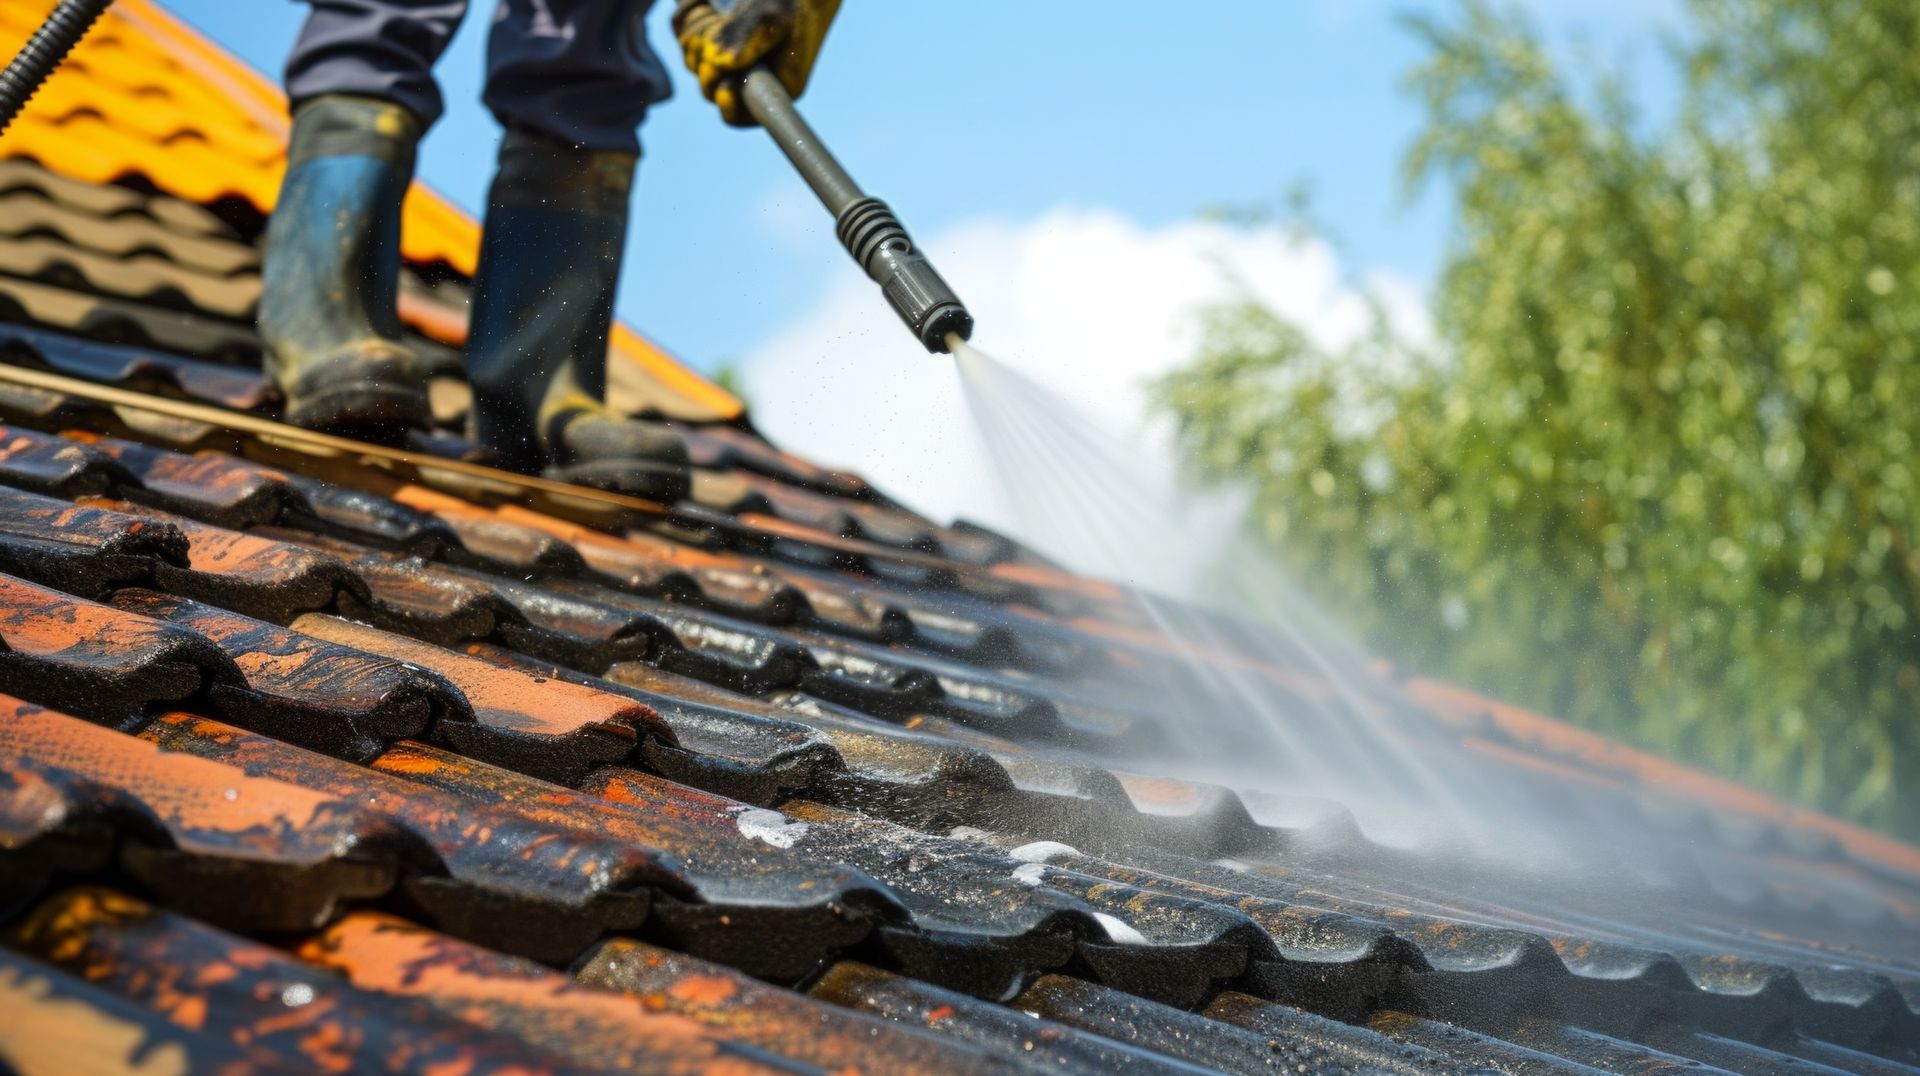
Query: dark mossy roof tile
x=54, y=1015
x=302, y=1016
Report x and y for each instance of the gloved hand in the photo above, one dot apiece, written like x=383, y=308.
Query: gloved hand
x=725, y=39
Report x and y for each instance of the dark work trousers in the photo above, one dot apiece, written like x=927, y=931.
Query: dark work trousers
x=580, y=71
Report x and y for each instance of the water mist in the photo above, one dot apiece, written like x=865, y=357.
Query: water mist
x=1275, y=701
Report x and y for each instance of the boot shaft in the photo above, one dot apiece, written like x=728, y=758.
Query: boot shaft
x=330, y=282
x=340, y=125
x=543, y=300
x=332, y=264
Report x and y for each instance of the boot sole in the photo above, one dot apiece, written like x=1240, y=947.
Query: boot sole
x=383, y=413
x=660, y=482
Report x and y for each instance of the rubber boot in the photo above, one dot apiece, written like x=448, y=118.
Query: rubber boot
x=329, y=285
x=542, y=309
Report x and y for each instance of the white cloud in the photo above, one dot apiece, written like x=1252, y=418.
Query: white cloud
x=1085, y=301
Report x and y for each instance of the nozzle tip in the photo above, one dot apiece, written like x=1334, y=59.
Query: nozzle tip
x=950, y=320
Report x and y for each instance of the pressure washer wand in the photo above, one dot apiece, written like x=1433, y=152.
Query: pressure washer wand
x=865, y=225
x=65, y=25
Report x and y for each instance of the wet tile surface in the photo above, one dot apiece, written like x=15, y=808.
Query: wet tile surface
x=438, y=736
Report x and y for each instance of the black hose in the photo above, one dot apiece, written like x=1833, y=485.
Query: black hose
x=65, y=26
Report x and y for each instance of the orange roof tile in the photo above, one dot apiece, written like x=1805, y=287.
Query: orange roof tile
x=1551, y=739
x=145, y=95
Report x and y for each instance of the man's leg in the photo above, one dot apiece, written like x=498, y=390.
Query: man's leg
x=571, y=80
x=578, y=71
x=361, y=83
x=383, y=49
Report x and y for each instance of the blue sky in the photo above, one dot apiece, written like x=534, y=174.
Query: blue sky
x=999, y=111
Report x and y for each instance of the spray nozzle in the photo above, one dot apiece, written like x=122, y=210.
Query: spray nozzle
x=870, y=231
x=875, y=238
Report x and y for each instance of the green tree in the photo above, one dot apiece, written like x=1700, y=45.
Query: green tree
x=1658, y=473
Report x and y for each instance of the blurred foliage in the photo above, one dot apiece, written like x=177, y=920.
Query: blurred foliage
x=1656, y=474
x=730, y=376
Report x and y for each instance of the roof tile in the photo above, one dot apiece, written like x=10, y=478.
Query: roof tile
x=1018, y=1039
x=548, y=727
x=28, y=212
x=158, y=372
x=307, y=691
x=99, y=661
x=245, y=572
x=780, y=1021
x=56, y=1018
x=761, y=905
x=481, y=871
x=254, y=852
x=224, y=987
x=141, y=277
x=124, y=322
x=1287, y=1040
x=579, y=1027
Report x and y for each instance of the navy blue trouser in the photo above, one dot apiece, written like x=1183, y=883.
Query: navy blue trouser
x=577, y=70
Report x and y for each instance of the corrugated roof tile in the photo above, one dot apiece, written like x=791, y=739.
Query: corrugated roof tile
x=256, y=998
x=158, y=372
x=780, y=1021
x=58, y=1020
x=252, y=852
x=306, y=690
x=1017, y=1039
x=482, y=871
x=1285, y=1041
x=578, y=1027
x=28, y=213
x=97, y=660
x=547, y=727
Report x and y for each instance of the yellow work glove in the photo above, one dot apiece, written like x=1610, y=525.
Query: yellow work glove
x=724, y=40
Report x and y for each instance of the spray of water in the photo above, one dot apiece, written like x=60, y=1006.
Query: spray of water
x=1283, y=706
x=1104, y=505
x=1294, y=712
